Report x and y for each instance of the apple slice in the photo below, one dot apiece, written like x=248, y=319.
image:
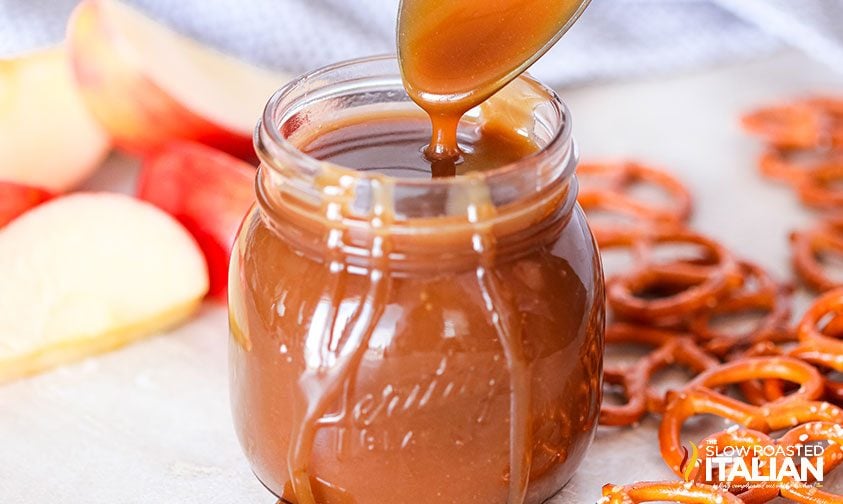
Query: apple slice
x=87, y=273
x=149, y=85
x=16, y=199
x=208, y=191
x=48, y=138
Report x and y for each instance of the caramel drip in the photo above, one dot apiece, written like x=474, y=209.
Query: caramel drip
x=502, y=313
x=454, y=54
x=321, y=384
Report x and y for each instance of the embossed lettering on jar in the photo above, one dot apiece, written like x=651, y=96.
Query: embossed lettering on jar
x=404, y=339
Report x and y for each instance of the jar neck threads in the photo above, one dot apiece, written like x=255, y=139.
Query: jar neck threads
x=321, y=203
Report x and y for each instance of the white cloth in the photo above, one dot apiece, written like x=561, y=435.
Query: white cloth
x=614, y=39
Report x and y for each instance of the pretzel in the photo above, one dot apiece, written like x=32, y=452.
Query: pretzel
x=670, y=348
x=807, y=245
x=763, y=420
x=737, y=437
x=816, y=186
x=666, y=491
x=623, y=220
x=802, y=124
x=699, y=397
x=766, y=296
x=793, y=165
x=832, y=110
x=832, y=457
x=691, y=285
x=833, y=389
x=643, y=246
x=798, y=436
x=826, y=349
x=598, y=208
x=620, y=177
x=612, y=196
x=761, y=392
x=821, y=346
x=634, y=409
x=834, y=326
x=785, y=368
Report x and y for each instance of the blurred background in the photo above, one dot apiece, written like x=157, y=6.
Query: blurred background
x=614, y=39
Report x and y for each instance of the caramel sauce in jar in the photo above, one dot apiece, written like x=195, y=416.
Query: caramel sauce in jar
x=399, y=338
x=391, y=144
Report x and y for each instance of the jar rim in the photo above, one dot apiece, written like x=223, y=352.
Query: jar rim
x=327, y=208
x=269, y=139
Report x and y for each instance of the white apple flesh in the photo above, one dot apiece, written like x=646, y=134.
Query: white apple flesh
x=88, y=273
x=48, y=138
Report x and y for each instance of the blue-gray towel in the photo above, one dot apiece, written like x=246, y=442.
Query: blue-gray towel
x=614, y=39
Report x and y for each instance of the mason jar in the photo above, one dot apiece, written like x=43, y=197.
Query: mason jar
x=402, y=338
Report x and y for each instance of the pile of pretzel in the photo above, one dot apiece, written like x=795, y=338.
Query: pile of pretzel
x=767, y=378
x=804, y=149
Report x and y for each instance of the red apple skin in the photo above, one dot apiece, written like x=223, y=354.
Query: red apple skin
x=140, y=117
x=208, y=191
x=16, y=199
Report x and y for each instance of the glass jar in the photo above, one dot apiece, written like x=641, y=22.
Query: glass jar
x=397, y=339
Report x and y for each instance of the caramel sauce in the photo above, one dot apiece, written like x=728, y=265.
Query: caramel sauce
x=457, y=380
x=356, y=383
x=393, y=146
x=455, y=54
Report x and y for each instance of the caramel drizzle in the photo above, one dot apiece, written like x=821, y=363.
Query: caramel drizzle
x=502, y=313
x=339, y=360
x=319, y=387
